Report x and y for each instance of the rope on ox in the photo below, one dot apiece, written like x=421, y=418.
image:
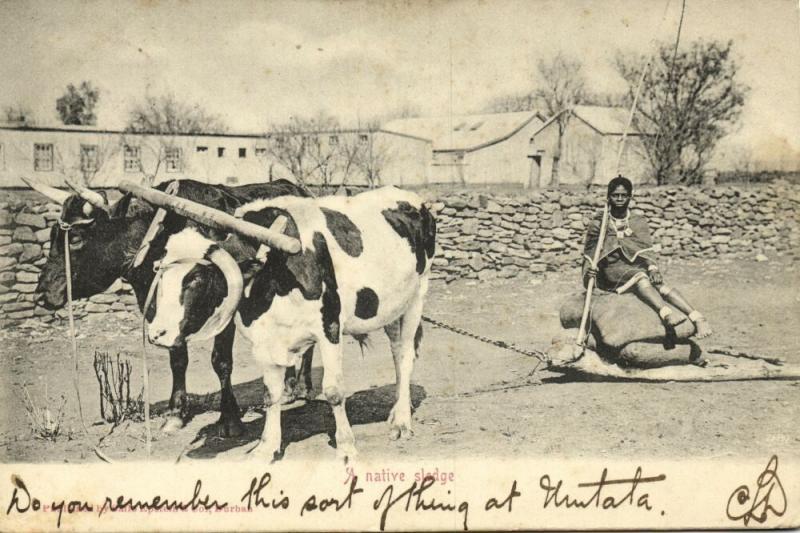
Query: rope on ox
x=73, y=338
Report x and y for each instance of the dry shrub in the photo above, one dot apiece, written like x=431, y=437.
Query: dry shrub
x=114, y=381
x=45, y=422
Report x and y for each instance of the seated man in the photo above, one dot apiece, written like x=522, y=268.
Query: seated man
x=624, y=264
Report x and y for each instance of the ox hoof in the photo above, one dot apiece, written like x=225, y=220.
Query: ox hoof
x=172, y=424
x=228, y=427
x=400, y=432
x=346, y=453
x=264, y=452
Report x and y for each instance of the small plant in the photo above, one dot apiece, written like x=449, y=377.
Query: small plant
x=114, y=381
x=45, y=422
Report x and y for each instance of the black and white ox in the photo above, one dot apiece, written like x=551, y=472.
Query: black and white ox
x=364, y=264
x=104, y=242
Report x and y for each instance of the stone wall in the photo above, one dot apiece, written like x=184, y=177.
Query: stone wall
x=483, y=236
x=24, y=245
x=480, y=235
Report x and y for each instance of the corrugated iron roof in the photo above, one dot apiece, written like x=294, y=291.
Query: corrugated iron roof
x=463, y=132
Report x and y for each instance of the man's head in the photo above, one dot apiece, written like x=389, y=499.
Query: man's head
x=620, y=190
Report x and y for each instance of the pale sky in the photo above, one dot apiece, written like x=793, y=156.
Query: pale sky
x=257, y=63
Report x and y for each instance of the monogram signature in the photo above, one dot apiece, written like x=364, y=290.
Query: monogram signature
x=769, y=497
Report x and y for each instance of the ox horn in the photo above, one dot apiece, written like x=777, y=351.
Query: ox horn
x=93, y=197
x=224, y=313
x=212, y=218
x=56, y=195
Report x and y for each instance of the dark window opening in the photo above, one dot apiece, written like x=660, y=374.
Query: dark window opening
x=242, y=152
x=202, y=148
x=220, y=152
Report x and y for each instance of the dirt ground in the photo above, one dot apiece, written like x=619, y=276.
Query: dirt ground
x=470, y=398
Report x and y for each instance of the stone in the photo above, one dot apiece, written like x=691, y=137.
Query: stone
x=24, y=288
x=103, y=298
x=561, y=234
x=498, y=247
x=5, y=218
x=17, y=306
x=6, y=263
x=476, y=263
x=27, y=277
x=7, y=278
x=20, y=314
x=8, y=297
x=761, y=258
x=29, y=219
x=96, y=308
x=43, y=235
x=24, y=234
x=31, y=252
x=11, y=250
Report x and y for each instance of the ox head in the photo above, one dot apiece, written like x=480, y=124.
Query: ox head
x=197, y=290
x=96, y=249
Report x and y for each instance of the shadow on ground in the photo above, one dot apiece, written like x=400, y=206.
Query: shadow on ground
x=298, y=423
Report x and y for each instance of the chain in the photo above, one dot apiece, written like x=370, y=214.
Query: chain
x=538, y=354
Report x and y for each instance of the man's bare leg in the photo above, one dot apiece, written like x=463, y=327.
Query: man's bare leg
x=702, y=327
x=649, y=295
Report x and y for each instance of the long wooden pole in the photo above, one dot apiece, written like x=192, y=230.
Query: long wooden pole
x=580, y=340
x=587, y=304
x=212, y=218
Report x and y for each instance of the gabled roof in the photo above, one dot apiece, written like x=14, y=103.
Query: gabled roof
x=463, y=132
x=604, y=120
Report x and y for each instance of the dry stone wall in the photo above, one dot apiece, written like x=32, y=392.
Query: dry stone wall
x=480, y=236
x=483, y=236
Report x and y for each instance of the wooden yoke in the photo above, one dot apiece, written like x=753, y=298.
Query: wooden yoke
x=212, y=218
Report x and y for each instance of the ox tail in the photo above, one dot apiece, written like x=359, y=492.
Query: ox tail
x=418, y=339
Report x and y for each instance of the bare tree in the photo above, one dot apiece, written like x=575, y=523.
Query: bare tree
x=19, y=115
x=306, y=147
x=373, y=157
x=156, y=121
x=84, y=163
x=560, y=86
x=348, y=156
x=323, y=147
x=511, y=103
x=167, y=115
x=688, y=100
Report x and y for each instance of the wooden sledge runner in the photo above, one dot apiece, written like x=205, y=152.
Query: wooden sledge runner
x=719, y=368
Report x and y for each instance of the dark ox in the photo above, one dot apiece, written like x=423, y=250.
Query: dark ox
x=103, y=243
x=364, y=265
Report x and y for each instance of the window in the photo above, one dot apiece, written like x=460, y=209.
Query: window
x=172, y=158
x=363, y=138
x=220, y=151
x=231, y=180
x=43, y=157
x=131, y=161
x=261, y=152
x=333, y=140
x=202, y=148
x=89, y=157
x=242, y=153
